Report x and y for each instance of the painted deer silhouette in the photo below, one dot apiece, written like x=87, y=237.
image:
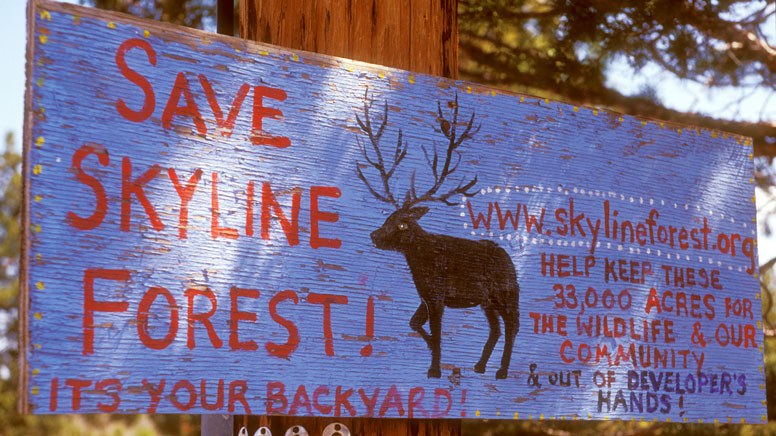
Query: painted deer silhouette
x=447, y=271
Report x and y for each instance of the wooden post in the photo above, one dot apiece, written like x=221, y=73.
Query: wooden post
x=415, y=35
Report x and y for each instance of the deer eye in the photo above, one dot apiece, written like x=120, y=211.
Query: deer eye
x=402, y=226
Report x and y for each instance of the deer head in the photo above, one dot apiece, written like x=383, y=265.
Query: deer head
x=401, y=228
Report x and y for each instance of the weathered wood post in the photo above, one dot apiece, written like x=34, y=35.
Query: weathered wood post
x=415, y=35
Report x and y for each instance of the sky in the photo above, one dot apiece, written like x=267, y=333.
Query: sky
x=674, y=93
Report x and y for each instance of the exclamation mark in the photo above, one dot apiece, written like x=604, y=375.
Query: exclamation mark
x=54, y=392
x=463, y=401
x=366, y=350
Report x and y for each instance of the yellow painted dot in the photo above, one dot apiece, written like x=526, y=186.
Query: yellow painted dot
x=146, y=33
x=411, y=79
x=35, y=390
x=743, y=420
x=38, y=198
x=748, y=142
x=40, y=285
x=42, y=110
x=38, y=257
x=643, y=122
x=679, y=131
x=668, y=419
x=111, y=25
x=621, y=119
x=522, y=99
x=381, y=75
x=763, y=418
x=751, y=156
x=595, y=111
x=493, y=93
x=477, y=412
x=589, y=415
x=498, y=413
x=714, y=134
x=38, y=316
x=35, y=371
x=43, y=39
x=756, y=296
x=517, y=415
x=261, y=52
x=40, y=82
x=36, y=228
x=662, y=125
x=45, y=15
x=686, y=419
x=700, y=421
x=76, y=19
x=40, y=141
x=576, y=108
x=468, y=89
x=697, y=131
x=724, y=136
x=37, y=346
x=546, y=101
x=294, y=57
x=762, y=386
x=751, y=180
x=759, y=325
x=754, y=199
x=37, y=169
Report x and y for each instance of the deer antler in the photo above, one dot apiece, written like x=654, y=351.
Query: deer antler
x=447, y=128
x=379, y=163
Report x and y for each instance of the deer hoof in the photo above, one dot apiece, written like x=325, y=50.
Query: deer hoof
x=501, y=373
x=434, y=373
x=479, y=368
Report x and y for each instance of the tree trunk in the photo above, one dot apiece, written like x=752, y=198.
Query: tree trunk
x=415, y=35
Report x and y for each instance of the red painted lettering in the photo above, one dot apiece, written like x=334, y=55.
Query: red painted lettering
x=258, y=136
x=316, y=215
x=203, y=318
x=100, y=199
x=91, y=305
x=283, y=350
x=237, y=316
x=149, y=101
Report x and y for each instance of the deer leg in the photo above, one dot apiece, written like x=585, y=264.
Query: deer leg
x=495, y=331
x=417, y=322
x=511, y=325
x=435, y=320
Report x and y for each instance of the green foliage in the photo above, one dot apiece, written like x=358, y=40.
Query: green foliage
x=191, y=13
x=564, y=47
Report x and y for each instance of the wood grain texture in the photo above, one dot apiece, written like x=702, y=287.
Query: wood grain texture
x=215, y=248
x=415, y=35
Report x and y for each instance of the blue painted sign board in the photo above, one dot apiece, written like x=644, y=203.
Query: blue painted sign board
x=218, y=226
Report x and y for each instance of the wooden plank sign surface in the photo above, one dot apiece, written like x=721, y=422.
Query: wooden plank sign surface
x=218, y=226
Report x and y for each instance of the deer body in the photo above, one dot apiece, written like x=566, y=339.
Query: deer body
x=447, y=271
x=456, y=273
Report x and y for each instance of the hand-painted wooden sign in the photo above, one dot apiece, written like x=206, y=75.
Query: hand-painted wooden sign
x=217, y=226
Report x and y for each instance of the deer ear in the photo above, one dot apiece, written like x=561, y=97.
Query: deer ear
x=417, y=213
